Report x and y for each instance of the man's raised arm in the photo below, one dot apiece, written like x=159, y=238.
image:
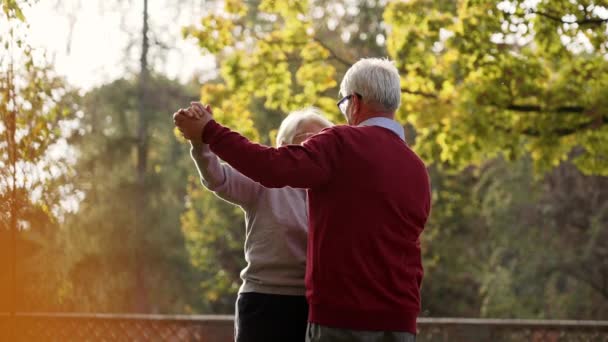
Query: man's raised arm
x=307, y=166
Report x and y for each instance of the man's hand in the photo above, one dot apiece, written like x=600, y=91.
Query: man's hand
x=192, y=121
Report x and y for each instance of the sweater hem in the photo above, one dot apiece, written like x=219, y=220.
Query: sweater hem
x=354, y=319
x=272, y=289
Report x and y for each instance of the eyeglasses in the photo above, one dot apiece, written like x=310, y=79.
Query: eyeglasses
x=343, y=103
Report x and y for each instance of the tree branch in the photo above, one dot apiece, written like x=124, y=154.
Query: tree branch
x=586, y=21
x=333, y=54
x=419, y=93
x=596, y=122
x=571, y=269
x=560, y=132
x=532, y=108
x=589, y=281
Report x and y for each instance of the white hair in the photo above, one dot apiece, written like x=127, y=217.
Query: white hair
x=290, y=124
x=376, y=80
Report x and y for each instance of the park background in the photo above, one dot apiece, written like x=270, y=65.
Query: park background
x=101, y=209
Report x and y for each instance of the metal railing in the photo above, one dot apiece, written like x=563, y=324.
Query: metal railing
x=212, y=328
x=470, y=329
x=111, y=327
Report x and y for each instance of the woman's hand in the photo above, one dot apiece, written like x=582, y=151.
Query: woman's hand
x=192, y=121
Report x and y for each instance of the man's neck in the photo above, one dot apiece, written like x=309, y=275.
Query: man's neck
x=373, y=114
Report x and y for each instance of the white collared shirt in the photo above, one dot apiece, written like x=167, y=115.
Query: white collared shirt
x=387, y=123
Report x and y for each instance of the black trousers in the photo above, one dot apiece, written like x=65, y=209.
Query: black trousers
x=261, y=317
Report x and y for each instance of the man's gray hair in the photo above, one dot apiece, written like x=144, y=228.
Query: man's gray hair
x=376, y=80
x=290, y=124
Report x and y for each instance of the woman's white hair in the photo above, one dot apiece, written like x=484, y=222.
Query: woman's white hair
x=376, y=80
x=290, y=124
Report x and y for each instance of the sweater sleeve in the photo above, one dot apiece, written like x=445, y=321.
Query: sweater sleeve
x=223, y=180
x=309, y=165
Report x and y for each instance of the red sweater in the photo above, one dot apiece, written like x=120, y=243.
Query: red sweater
x=369, y=199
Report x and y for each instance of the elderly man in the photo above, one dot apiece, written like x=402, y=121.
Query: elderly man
x=369, y=199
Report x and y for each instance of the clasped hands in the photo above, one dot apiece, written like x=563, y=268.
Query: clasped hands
x=192, y=121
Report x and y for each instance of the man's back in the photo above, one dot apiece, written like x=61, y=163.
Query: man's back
x=364, y=268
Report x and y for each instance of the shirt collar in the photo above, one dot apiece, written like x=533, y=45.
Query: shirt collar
x=387, y=123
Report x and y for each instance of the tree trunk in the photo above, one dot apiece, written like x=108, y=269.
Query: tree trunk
x=11, y=128
x=141, y=295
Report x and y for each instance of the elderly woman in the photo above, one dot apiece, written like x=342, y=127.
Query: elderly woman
x=271, y=304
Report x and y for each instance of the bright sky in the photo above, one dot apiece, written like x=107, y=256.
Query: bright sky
x=97, y=51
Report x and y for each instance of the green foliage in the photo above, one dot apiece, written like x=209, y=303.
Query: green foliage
x=482, y=82
x=546, y=245
x=12, y=9
x=480, y=79
x=451, y=246
x=102, y=238
x=34, y=106
x=214, y=231
x=483, y=79
x=502, y=243
x=274, y=57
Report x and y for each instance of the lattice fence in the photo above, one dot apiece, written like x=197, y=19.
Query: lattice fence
x=459, y=329
x=102, y=327
x=105, y=327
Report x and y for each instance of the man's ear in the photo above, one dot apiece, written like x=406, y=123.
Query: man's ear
x=355, y=108
x=356, y=102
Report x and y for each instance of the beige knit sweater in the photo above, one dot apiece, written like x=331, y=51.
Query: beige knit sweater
x=275, y=230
